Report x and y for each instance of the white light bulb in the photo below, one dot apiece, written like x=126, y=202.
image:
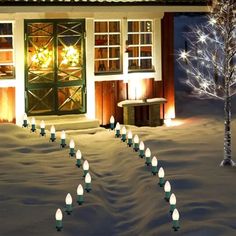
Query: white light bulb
x=42, y=125
x=25, y=117
x=63, y=134
x=58, y=215
x=68, y=199
x=141, y=146
x=112, y=120
x=202, y=38
x=154, y=161
x=148, y=152
x=167, y=186
x=52, y=130
x=78, y=154
x=130, y=135
x=175, y=215
x=80, y=190
x=184, y=55
x=33, y=121
x=72, y=143
x=117, y=126
x=123, y=131
x=172, y=199
x=136, y=139
x=85, y=165
x=161, y=173
x=88, y=178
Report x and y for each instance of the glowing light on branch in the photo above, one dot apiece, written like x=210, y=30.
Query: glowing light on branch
x=42, y=57
x=70, y=56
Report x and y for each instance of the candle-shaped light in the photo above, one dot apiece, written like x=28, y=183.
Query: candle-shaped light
x=172, y=202
x=85, y=167
x=117, y=130
x=88, y=182
x=80, y=194
x=130, y=137
x=167, y=189
x=33, y=124
x=175, y=218
x=68, y=204
x=63, y=138
x=123, y=134
x=25, y=121
x=78, y=158
x=136, y=143
x=141, y=149
x=59, y=217
x=148, y=157
x=112, y=122
x=42, y=128
x=72, y=148
x=154, y=165
x=161, y=175
x=52, y=133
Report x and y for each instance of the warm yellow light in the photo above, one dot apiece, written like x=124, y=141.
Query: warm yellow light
x=168, y=122
x=42, y=57
x=70, y=56
x=170, y=113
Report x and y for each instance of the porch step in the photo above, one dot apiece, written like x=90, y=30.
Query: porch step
x=67, y=122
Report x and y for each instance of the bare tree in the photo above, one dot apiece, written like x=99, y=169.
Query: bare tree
x=210, y=62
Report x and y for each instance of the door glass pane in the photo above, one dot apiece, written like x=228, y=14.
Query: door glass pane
x=6, y=71
x=40, y=100
x=5, y=28
x=6, y=57
x=6, y=43
x=70, y=98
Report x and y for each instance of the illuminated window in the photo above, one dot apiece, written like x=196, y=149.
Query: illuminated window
x=107, y=47
x=6, y=51
x=140, y=45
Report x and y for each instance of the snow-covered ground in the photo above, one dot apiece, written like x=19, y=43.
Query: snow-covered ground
x=36, y=176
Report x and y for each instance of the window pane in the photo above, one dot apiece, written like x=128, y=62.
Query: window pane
x=114, y=65
x=6, y=57
x=101, y=27
x=114, y=39
x=114, y=26
x=133, y=64
x=101, y=53
x=101, y=66
x=146, y=51
x=6, y=72
x=146, y=63
x=133, y=39
x=133, y=51
x=146, y=26
x=40, y=29
x=146, y=39
x=6, y=42
x=133, y=26
x=101, y=40
x=114, y=52
x=5, y=28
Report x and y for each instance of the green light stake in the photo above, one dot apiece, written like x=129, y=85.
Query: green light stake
x=130, y=137
x=88, y=182
x=59, y=217
x=85, y=167
x=154, y=165
x=117, y=130
x=167, y=189
x=148, y=157
x=33, y=125
x=141, y=149
x=78, y=158
x=123, y=134
x=68, y=204
x=172, y=202
x=175, y=218
x=161, y=175
x=112, y=122
x=25, y=121
x=136, y=143
x=72, y=148
x=80, y=194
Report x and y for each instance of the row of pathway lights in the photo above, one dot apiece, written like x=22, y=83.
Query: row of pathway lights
x=72, y=153
x=140, y=148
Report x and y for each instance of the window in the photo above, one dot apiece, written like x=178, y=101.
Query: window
x=6, y=51
x=107, y=47
x=140, y=39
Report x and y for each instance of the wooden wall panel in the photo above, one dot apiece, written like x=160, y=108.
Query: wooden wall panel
x=7, y=105
x=98, y=101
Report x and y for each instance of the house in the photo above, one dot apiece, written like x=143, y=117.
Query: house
x=84, y=56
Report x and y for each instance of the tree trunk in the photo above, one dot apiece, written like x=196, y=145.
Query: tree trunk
x=227, y=161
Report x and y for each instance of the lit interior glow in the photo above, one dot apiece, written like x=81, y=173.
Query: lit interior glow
x=42, y=57
x=170, y=113
x=58, y=215
x=80, y=190
x=70, y=56
x=136, y=89
x=68, y=199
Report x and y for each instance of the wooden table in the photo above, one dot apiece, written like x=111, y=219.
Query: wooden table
x=154, y=110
